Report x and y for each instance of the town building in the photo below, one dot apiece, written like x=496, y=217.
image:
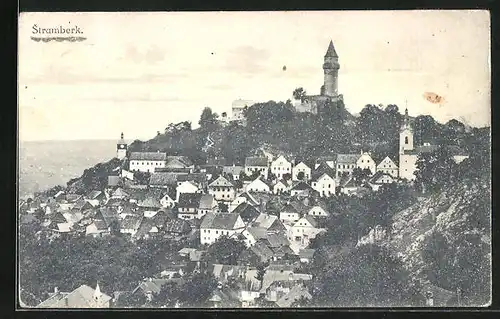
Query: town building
x=258, y=185
x=388, y=166
x=281, y=166
x=121, y=148
x=346, y=163
x=365, y=161
x=301, y=168
x=82, y=297
x=214, y=226
x=257, y=164
x=222, y=189
x=324, y=185
x=147, y=161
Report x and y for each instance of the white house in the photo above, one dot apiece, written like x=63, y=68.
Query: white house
x=301, y=167
x=365, y=161
x=388, y=166
x=208, y=204
x=186, y=187
x=147, y=161
x=324, y=185
x=258, y=186
x=127, y=174
x=319, y=210
x=346, y=163
x=281, y=166
x=222, y=189
x=292, y=212
x=280, y=187
x=305, y=229
x=188, y=205
x=380, y=179
x=257, y=164
x=214, y=226
x=167, y=201
x=237, y=109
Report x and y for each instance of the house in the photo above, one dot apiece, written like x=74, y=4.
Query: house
x=281, y=166
x=146, y=161
x=109, y=216
x=224, y=272
x=296, y=293
x=82, y=297
x=325, y=185
x=292, y=212
x=214, y=226
x=280, y=273
x=280, y=187
x=163, y=179
x=222, y=189
x=188, y=205
x=247, y=212
x=346, y=163
x=253, y=234
x=300, y=188
x=270, y=223
x=306, y=255
x=326, y=160
x=96, y=198
x=208, y=204
x=98, y=228
x=151, y=286
x=379, y=179
x=197, y=179
x=130, y=224
x=68, y=201
x=237, y=109
x=186, y=187
x=365, y=161
x=303, y=230
x=178, y=162
x=258, y=185
x=301, y=168
x=119, y=193
x=233, y=171
x=125, y=174
x=243, y=198
x=388, y=166
x=256, y=254
x=177, y=227
x=150, y=206
x=257, y=164
x=168, y=199
x=319, y=209
x=348, y=186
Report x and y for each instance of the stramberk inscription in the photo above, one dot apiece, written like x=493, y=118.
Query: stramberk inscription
x=57, y=30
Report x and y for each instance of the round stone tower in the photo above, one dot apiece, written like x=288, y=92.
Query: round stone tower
x=331, y=68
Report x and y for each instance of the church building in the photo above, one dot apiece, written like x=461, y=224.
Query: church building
x=329, y=89
x=121, y=148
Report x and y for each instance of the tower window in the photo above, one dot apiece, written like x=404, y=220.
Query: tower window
x=406, y=139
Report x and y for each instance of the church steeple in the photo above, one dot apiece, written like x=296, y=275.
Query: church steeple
x=121, y=148
x=330, y=52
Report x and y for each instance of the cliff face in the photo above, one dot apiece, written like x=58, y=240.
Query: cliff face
x=445, y=239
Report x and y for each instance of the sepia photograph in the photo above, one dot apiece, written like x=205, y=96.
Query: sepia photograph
x=254, y=160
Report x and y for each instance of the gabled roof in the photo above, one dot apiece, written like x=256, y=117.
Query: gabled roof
x=82, y=297
x=131, y=222
x=114, y=181
x=265, y=221
x=301, y=186
x=234, y=170
x=149, y=202
x=190, y=200
x=119, y=192
x=386, y=159
x=182, y=159
x=192, y=177
x=256, y=161
x=262, y=251
x=206, y=201
x=163, y=178
x=347, y=182
x=144, y=228
x=177, y=225
x=277, y=240
x=221, y=181
x=224, y=221
x=246, y=211
x=310, y=219
x=297, y=292
x=378, y=175
x=257, y=232
x=347, y=158
x=148, y=156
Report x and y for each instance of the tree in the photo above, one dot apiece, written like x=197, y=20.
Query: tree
x=261, y=271
x=197, y=290
x=435, y=169
x=300, y=176
x=360, y=175
x=225, y=251
x=299, y=94
x=207, y=119
x=168, y=296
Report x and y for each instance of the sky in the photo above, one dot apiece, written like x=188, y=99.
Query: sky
x=137, y=72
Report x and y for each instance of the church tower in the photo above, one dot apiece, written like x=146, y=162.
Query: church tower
x=406, y=135
x=331, y=68
x=121, y=148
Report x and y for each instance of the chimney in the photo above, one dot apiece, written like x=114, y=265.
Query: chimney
x=56, y=290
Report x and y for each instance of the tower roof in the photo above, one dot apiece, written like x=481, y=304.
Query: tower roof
x=331, y=51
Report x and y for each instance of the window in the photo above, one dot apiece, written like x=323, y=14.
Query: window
x=406, y=139
x=216, y=232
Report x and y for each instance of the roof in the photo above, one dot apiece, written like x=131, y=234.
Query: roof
x=301, y=186
x=163, y=178
x=186, y=251
x=206, y=201
x=120, y=192
x=190, y=200
x=131, y=222
x=322, y=169
x=216, y=161
x=265, y=220
x=177, y=225
x=347, y=158
x=94, y=194
x=82, y=297
x=219, y=221
x=347, y=182
x=193, y=177
x=330, y=52
x=148, y=156
x=114, y=180
x=221, y=181
x=149, y=202
x=306, y=253
x=294, y=294
x=257, y=232
x=233, y=170
x=144, y=228
x=184, y=160
x=246, y=211
x=276, y=240
x=256, y=161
